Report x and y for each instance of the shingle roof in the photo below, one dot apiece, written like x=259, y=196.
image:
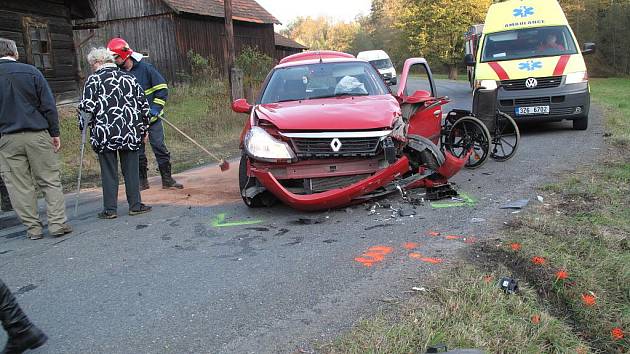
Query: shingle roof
x=242, y=10
x=283, y=41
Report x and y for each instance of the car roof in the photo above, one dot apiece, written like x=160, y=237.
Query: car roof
x=373, y=54
x=320, y=56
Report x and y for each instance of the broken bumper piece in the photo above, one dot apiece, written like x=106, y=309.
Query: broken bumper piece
x=333, y=198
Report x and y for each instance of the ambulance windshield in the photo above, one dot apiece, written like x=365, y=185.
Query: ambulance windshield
x=528, y=43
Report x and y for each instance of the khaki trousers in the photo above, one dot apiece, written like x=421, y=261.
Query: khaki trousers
x=27, y=159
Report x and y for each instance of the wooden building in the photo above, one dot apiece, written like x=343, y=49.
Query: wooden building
x=286, y=47
x=166, y=30
x=42, y=30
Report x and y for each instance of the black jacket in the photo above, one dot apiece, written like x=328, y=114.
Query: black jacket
x=26, y=102
x=119, y=109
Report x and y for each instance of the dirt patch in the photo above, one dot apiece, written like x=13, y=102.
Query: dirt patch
x=206, y=186
x=202, y=187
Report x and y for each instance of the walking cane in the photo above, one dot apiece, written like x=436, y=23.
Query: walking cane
x=85, y=119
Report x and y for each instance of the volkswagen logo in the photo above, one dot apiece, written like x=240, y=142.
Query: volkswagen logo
x=531, y=83
x=335, y=144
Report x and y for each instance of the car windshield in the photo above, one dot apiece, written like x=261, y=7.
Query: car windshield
x=382, y=63
x=528, y=43
x=321, y=80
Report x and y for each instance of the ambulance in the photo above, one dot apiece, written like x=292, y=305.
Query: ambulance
x=528, y=50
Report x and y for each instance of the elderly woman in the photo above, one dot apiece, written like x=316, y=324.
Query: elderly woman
x=117, y=114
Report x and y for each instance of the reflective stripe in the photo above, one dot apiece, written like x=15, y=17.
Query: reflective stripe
x=159, y=101
x=562, y=64
x=498, y=69
x=153, y=119
x=155, y=88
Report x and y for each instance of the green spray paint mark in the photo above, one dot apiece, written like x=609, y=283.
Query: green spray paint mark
x=219, y=221
x=466, y=201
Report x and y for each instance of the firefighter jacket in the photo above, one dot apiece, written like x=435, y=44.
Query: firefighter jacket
x=154, y=86
x=118, y=110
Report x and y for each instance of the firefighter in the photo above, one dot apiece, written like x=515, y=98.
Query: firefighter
x=156, y=91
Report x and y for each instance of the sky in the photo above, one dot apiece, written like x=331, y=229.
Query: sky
x=339, y=10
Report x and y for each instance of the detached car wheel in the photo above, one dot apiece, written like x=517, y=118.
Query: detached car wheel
x=263, y=199
x=580, y=124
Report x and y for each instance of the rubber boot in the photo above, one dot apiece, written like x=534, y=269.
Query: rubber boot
x=167, y=179
x=144, y=179
x=5, y=202
x=23, y=334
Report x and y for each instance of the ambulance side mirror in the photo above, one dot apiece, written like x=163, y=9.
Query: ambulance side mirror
x=469, y=60
x=589, y=48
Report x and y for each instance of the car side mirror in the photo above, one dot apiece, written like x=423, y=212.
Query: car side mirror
x=469, y=60
x=241, y=106
x=589, y=48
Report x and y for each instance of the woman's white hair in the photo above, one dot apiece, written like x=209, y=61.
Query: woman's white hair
x=100, y=55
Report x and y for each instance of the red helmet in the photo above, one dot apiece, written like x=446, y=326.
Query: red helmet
x=120, y=48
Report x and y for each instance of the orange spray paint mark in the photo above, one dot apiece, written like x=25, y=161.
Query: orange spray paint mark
x=420, y=257
x=453, y=237
x=470, y=239
x=617, y=333
x=433, y=233
x=515, y=246
x=374, y=255
x=410, y=245
x=487, y=278
x=589, y=299
x=538, y=260
x=562, y=274
x=536, y=319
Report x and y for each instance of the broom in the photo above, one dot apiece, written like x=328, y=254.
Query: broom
x=223, y=164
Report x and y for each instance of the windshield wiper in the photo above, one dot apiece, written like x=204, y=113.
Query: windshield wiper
x=341, y=94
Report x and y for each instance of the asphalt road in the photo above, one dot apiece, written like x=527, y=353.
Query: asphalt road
x=171, y=282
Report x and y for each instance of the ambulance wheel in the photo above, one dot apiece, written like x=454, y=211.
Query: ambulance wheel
x=264, y=199
x=580, y=124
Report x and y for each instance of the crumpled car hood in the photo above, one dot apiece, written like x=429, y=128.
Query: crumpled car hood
x=332, y=114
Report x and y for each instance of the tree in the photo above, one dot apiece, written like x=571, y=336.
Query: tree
x=435, y=28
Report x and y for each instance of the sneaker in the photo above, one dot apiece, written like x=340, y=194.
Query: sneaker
x=143, y=209
x=32, y=236
x=107, y=215
x=65, y=229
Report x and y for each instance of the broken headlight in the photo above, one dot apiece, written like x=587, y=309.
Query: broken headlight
x=262, y=146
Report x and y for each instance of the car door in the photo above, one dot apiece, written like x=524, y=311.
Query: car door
x=415, y=90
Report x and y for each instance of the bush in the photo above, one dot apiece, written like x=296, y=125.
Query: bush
x=202, y=69
x=255, y=66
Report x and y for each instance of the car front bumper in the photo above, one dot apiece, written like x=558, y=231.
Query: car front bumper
x=565, y=102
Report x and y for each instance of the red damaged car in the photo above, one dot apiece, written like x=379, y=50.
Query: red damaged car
x=326, y=132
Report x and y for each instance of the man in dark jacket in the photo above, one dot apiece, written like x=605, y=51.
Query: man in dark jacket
x=29, y=144
x=156, y=90
x=120, y=118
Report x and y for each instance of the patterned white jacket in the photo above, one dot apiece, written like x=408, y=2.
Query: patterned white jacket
x=119, y=110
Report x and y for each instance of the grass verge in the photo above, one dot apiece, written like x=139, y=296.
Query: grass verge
x=201, y=110
x=570, y=254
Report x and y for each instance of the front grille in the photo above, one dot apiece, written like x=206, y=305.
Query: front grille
x=543, y=82
x=321, y=147
x=565, y=111
x=532, y=100
x=316, y=185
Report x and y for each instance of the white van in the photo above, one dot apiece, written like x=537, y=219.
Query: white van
x=380, y=60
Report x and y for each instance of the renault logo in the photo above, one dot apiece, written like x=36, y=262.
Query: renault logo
x=531, y=83
x=335, y=144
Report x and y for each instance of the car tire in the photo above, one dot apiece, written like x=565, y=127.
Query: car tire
x=264, y=199
x=580, y=124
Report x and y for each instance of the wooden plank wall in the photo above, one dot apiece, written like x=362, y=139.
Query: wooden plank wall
x=63, y=79
x=206, y=36
x=154, y=35
x=108, y=10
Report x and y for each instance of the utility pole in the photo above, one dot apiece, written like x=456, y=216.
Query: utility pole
x=229, y=40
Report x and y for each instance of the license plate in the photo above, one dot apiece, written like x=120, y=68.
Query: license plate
x=524, y=111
